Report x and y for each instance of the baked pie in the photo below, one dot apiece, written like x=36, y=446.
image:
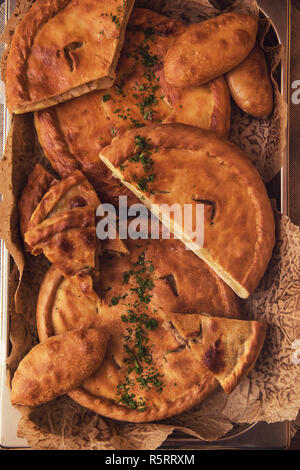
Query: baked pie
x=143, y=376
x=228, y=347
x=58, y=365
x=73, y=133
x=62, y=49
x=175, y=164
x=68, y=240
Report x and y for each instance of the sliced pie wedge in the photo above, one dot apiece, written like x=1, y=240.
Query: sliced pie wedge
x=68, y=193
x=56, y=207
x=228, y=347
x=67, y=239
x=38, y=183
x=63, y=49
x=174, y=167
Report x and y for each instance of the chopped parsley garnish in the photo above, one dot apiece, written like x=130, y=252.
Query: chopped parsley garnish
x=148, y=60
x=143, y=156
x=106, y=98
x=115, y=19
x=138, y=360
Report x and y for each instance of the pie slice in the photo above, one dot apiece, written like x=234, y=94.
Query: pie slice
x=251, y=86
x=67, y=194
x=62, y=49
x=38, y=183
x=173, y=168
x=67, y=239
x=228, y=347
x=73, y=133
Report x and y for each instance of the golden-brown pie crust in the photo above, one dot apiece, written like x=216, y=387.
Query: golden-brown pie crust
x=250, y=85
x=53, y=54
x=72, y=134
x=228, y=347
x=190, y=166
x=98, y=393
x=209, y=49
x=57, y=365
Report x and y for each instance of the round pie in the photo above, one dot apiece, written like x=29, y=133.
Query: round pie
x=73, y=133
x=175, y=165
x=143, y=376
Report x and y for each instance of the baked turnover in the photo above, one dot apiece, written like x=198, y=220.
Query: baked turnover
x=58, y=365
x=250, y=84
x=209, y=49
x=73, y=133
x=62, y=49
x=171, y=164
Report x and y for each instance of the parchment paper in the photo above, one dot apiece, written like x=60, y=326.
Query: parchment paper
x=271, y=392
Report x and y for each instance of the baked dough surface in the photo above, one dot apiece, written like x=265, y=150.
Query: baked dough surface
x=62, y=47
x=184, y=165
x=73, y=133
x=57, y=365
x=131, y=291
x=210, y=48
x=229, y=348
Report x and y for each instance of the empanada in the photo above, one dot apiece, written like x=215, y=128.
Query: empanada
x=250, y=85
x=209, y=49
x=57, y=365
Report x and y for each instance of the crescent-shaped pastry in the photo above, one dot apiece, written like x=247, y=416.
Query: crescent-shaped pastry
x=209, y=49
x=181, y=166
x=57, y=365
